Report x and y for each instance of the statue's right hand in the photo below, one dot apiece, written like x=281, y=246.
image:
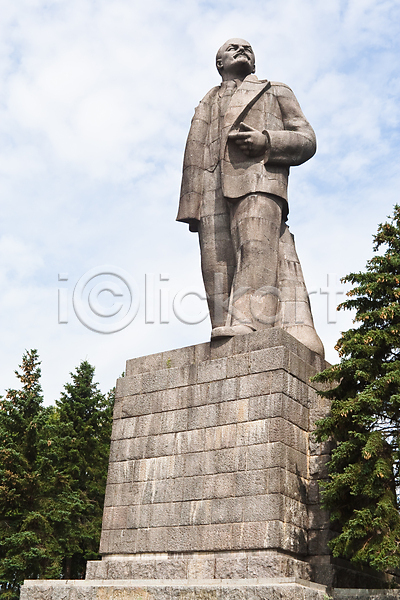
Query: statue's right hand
x=251, y=141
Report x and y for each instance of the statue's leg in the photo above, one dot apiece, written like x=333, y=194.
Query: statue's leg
x=255, y=230
x=294, y=314
x=217, y=258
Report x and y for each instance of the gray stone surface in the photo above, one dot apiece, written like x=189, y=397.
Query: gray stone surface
x=271, y=589
x=244, y=137
x=250, y=564
x=211, y=451
x=212, y=464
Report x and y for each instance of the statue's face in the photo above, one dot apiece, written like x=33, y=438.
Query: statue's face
x=236, y=57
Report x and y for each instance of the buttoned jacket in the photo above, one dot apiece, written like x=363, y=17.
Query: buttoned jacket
x=267, y=106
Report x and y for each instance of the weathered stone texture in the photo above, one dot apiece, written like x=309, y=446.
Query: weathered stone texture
x=211, y=450
x=273, y=589
x=251, y=564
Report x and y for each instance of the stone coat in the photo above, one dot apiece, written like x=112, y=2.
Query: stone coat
x=267, y=106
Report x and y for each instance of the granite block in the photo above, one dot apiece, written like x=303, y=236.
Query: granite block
x=278, y=405
x=172, y=421
x=224, y=436
x=139, y=516
x=180, y=357
x=231, y=567
x=222, y=485
x=143, y=404
x=202, y=566
x=159, y=589
x=269, y=359
x=250, y=483
x=291, y=485
x=171, y=569
x=120, y=388
x=229, y=460
x=120, y=472
x=222, y=348
x=238, y=365
x=118, y=541
x=277, y=454
x=256, y=384
x=192, y=488
x=202, y=416
x=234, y=411
x=181, y=376
x=190, y=441
x=117, y=410
x=223, y=390
x=115, y=517
x=161, y=467
x=144, y=363
x=195, y=512
x=274, y=507
x=130, y=386
x=227, y=510
x=212, y=370
x=154, y=381
x=167, y=515
x=123, y=494
x=318, y=541
x=162, y=491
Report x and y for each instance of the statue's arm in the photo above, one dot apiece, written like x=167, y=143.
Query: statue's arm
x=296, y=143
x=193, y=165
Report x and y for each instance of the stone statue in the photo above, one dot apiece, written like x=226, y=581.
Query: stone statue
x=245, y=135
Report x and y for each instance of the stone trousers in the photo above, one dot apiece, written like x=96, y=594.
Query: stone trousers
x=240, y=256
x=251, y=271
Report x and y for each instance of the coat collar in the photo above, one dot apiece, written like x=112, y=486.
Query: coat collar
x=243, y=99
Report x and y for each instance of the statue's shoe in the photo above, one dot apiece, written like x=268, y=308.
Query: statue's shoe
x=218, y=332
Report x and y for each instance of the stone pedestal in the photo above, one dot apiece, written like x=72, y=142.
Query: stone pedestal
x=212, y=481
x=212, y=466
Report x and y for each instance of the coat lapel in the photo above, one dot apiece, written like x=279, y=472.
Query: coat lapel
x=242, y=101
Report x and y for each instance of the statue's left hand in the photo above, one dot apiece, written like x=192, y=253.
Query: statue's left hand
x=251, y=141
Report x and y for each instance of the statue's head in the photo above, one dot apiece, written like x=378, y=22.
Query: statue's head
x=235, y=59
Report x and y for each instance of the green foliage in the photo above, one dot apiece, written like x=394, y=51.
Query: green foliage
x=82, y=441
x=53, y=465
x=25, y=532
x=363, y=486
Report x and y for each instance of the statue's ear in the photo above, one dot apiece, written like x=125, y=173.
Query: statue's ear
x=254, y=69
x=219, y=64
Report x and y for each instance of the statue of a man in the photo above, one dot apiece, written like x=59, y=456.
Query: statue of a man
x=244, y=136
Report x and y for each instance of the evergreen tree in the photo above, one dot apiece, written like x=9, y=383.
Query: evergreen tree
x=53, y=468
x=27, y=547
x=82, y=432
x=362, y=492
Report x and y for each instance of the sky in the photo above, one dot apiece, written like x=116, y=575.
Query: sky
x=96, y=98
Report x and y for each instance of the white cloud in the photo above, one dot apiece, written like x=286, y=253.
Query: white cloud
x=95, y=104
